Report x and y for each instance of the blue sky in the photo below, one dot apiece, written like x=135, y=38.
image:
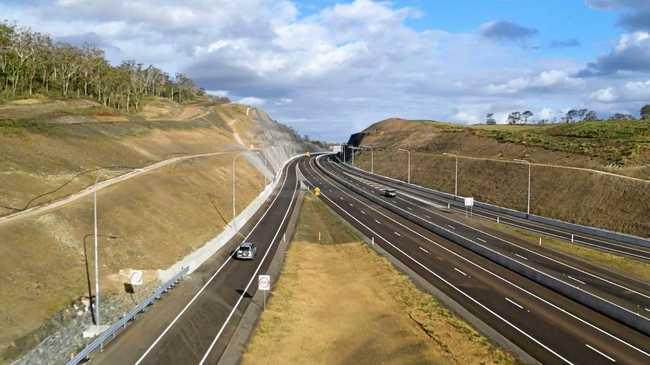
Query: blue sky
x=331, y=67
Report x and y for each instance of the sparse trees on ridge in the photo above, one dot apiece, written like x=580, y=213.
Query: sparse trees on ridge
x=32, y=63
x=645, y=112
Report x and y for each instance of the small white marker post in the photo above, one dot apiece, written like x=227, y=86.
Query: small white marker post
x=497, y=219
x=540, y=241
x=373, y=240
x=264, y=284
x=571, y=237
x=318, y=236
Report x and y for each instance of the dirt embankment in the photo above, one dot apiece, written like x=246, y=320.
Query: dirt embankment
x=338, y=302
x=572, y=195
x=147, y=222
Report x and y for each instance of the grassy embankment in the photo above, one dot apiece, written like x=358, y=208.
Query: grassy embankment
x=53, y=148
x=572, y=195
x=337, y=301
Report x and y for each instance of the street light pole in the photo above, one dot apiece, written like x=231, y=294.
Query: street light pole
x=456, y=175
x=408, y=174
x=372, y=158
x=529, y=177
x=97, y=318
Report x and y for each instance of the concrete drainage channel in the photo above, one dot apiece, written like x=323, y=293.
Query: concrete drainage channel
x=627, y=317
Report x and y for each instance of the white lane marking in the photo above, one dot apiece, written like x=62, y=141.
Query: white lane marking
x=253, y=277
x=452, y=285
x=646, y=309
x=480, y=239
x=518, y=255
x=515, y=303
x=340, y=197
x=207, y=283
x=378, y=222
x=428, y=217
x=397, y=234
x=363, y=212
x=422, y=249
x=577, y=280
x=601, y=353
x=409, y=208
x=460, y=271
x=560, y=309
x=351, y=204
x=450, y=226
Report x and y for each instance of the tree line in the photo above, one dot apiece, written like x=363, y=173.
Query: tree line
x=32, y=63
x=572, y=116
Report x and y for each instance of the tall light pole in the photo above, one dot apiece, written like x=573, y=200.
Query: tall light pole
x=456, y=178
x=372, y=158
x=97, y=318
x=408, y=174
x=529, y=166
x=234, y=159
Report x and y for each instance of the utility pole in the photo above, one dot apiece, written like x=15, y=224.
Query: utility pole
x=529, y=177
x=456, y=178
x=97, y=318
x=408, y=173
x=372, y=158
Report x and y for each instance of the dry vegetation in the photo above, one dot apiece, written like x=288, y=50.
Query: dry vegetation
x=572, y=195
x=158, y=217
x=338, y=302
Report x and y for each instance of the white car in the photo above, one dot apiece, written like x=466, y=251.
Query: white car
x=246, y=251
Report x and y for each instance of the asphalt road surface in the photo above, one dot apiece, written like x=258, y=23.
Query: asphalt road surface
x=549, y=326
x=624, y=292
x=610, y=245
x=193, y=323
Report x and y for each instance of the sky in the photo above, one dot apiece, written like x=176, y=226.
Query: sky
x=330, y=68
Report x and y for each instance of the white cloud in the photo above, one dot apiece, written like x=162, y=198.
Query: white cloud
x=633, y=91
x=545, y=81
x=252, y=101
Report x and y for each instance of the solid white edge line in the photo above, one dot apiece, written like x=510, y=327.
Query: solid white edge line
x=223, y=326
x=450, y=284
x=601, y=353
x=531, y=267
x=207, y=283
x=515, y=303
x=579, y=319
x=542, y=255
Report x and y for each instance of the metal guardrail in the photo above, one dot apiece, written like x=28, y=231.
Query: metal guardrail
x=111, y=332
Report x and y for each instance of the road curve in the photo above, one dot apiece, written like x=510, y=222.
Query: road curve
x=193, y=323
x=545, y=324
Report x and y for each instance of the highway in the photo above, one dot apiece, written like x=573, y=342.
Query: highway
x=547, y=325
x=609, y=245
x=194, y=323
x=624, y=292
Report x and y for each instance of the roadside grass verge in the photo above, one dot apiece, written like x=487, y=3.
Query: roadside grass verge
x=627, y=266
x=338, y=301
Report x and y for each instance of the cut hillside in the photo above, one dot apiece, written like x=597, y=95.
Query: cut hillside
x=52, y=149
x=487, y=172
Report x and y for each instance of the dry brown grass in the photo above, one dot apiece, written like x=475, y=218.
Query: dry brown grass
x=338, y=302
x=159, y=218
x=570, y=195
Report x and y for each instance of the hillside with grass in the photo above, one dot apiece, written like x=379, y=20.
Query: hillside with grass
x=172, y=162
x=607, y=184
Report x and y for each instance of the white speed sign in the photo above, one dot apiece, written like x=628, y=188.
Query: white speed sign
x=264, y=282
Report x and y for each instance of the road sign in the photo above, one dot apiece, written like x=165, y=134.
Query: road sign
x=317, y=191
x=264, y=282
x=136, y=277
x=469, y=202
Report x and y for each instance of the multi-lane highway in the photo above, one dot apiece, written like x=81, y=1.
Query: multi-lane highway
x=194, y=323
x=623, y=292
x=610, y=245
x=549, y=326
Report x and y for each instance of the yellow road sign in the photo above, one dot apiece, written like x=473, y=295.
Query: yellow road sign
x=317, y=191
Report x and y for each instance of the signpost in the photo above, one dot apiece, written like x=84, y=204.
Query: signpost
x=136, y=277
x=469, y=203
x=264, y=284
